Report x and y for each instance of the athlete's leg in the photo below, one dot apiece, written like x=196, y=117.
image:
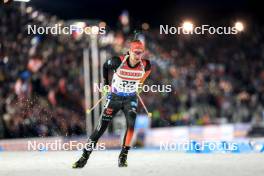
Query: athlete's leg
x=130, y=111
x=111, y=107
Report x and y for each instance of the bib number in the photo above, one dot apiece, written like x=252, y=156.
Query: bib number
x=128, y=84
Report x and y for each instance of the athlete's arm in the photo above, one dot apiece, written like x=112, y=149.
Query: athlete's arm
x=147, y=72
x=110, y=65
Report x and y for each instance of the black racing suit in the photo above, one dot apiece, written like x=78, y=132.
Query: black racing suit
x=128, y=104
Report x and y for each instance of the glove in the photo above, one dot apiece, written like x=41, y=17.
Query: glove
x=106, y=90
x=139, y=88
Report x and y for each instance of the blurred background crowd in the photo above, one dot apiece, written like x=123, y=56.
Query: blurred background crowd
x=215, y=79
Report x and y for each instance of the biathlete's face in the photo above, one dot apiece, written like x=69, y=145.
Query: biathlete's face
x=136, y=54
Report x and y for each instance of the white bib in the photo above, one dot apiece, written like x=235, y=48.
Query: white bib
x=125, y=79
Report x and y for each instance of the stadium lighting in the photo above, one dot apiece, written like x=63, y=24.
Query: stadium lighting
x=29, y=9
x=187, y=26
x=22, y=0
x=239, y=26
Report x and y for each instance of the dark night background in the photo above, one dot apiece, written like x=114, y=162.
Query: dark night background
x=216, y=79
x=154, y=12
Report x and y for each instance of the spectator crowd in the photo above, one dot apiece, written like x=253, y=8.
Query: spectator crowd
x=215, y=79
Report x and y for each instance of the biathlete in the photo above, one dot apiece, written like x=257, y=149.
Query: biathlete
x=129, y=72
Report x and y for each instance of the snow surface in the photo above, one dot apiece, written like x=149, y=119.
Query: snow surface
x=141, y=163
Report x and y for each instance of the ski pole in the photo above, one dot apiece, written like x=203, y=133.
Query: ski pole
x=88, y=111
x=144, y=106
